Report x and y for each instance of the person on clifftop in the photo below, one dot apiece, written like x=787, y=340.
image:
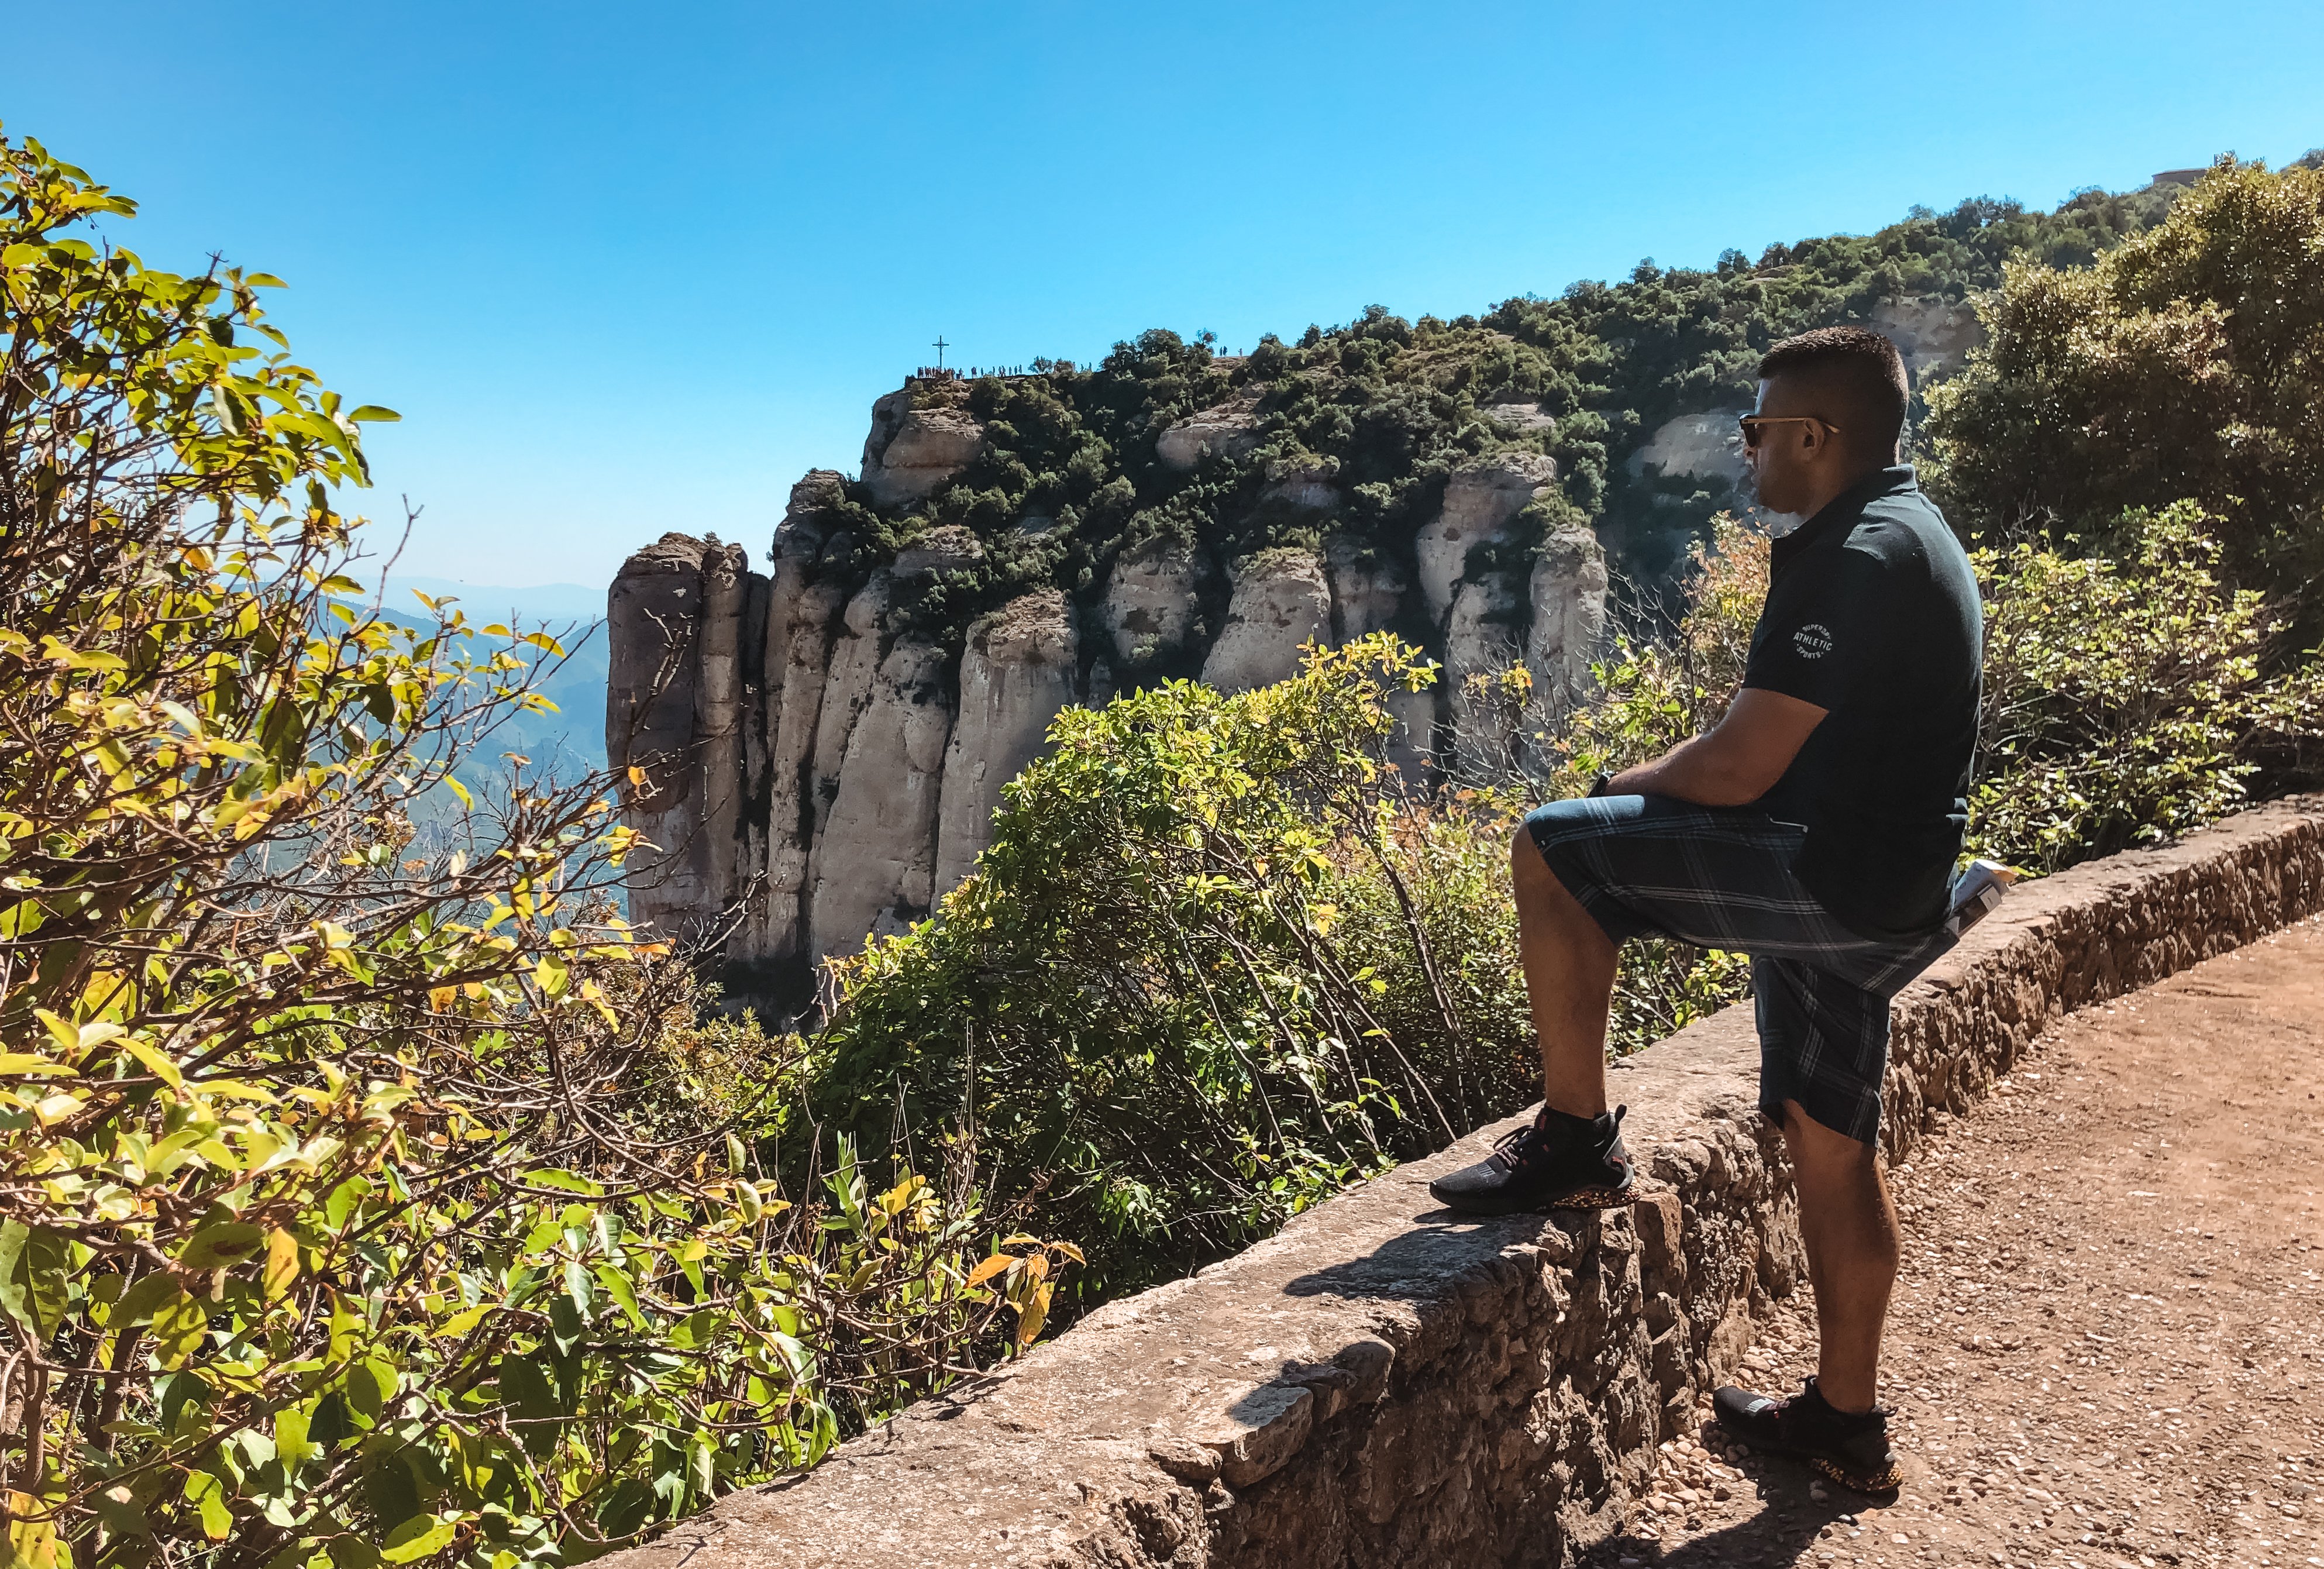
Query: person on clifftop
x=1816, y=827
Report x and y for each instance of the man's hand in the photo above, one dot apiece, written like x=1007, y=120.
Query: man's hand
x=1736, y=761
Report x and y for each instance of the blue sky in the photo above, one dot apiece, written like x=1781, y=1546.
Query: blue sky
x=629, y=268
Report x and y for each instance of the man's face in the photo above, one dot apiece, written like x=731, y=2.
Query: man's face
x=1789, y=458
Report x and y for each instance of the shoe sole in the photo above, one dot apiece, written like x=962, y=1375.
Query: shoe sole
x=1593, y=1198
x=1888, y=1480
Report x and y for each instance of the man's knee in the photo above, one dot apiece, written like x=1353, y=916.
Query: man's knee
x=1525, y=855
x=1536, y=885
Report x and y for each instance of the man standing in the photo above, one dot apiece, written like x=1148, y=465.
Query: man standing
x=1816, y=828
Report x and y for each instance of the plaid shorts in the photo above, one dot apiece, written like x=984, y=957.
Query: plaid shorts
x=1720, y=877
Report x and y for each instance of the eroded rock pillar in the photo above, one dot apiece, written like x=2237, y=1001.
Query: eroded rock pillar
x=1016, y=673
x=875, y=859
x=1280, y=603
x=656, y=704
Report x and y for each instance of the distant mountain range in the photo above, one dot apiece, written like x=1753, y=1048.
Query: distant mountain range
x=570, y=742
x=557, y=603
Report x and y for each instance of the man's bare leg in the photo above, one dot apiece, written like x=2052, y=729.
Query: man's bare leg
x=1569, y=971
x=1849, y=1227
x=1574, y=1160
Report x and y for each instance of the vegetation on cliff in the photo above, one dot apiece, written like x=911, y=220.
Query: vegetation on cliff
x=368, y=1198
x=1382, y=409
x=1210, y=970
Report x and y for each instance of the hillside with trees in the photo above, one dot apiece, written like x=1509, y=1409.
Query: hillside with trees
x=1383, y=409
x=2188, y=364
x=1286, y=970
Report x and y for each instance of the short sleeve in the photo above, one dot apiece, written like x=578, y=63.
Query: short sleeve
x=1818, y=639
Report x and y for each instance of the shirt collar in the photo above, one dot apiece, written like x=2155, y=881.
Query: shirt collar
x=1839, y=514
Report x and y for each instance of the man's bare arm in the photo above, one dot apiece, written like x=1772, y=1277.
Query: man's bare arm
x=1736, y=761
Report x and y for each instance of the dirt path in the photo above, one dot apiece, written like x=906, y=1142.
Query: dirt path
x=2108, y=1346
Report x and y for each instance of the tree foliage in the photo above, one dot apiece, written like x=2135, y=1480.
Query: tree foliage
x=2188, y=364
x=2126, y=697
x=363, y=1198
x=1668, y=341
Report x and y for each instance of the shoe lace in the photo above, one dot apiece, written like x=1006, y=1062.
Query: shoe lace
x=1516, y=1145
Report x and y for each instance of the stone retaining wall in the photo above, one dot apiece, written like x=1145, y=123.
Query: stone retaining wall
x=1384, y=1383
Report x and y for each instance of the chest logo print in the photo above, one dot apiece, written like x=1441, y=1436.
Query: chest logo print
x=1812, y=641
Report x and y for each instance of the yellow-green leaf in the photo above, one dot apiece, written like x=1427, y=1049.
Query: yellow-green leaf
x=617, y=1286
x=31, y=1535
x=206, y=1493
x=1032, y=1313
x=144, y=1299
x=155, y=1062
x=462, y=1322
x=223, y=1245
x=282, y=1265
x=179, y=1322
x=419, y=1537
x=291, y=1445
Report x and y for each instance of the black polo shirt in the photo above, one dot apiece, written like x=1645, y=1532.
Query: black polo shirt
x=1872, y=614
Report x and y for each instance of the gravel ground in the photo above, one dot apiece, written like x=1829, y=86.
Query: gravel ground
x=2108, y=1343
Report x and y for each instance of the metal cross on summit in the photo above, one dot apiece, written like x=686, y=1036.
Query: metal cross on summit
x=940, y=345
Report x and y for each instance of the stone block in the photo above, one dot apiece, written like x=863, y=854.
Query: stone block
x=1256, y=1436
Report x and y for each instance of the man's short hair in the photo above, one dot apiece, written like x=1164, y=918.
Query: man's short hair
x=1857, y=373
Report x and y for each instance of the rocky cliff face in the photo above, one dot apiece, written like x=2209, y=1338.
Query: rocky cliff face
x=1933, y=335
x=816, y=762
x=1706, y=446
x=1281, y=603
x=911, y=451
x=672, y=711
x=1016, y=671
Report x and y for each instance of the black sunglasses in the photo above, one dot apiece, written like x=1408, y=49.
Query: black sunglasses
x=1754, y=425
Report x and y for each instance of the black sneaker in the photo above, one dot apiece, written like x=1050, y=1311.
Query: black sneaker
x=1853, y=1451
x=1559, y=1162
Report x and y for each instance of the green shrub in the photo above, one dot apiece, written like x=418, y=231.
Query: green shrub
x=2183, y=363
x=365, y=1201
x=1163, y=1002
x=2125, y=701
